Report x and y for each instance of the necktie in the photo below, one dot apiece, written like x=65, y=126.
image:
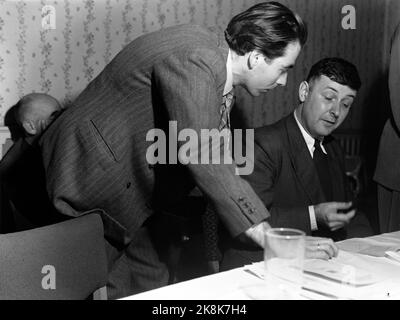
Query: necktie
x=321, y=164
x=227, y=102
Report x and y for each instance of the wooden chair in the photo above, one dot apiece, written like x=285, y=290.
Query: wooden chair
x=351, y=143
x=66, y=260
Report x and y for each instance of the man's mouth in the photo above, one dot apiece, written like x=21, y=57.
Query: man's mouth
x=329, y=122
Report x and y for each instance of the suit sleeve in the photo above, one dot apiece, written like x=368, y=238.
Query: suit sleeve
x=190, y=86
x=263, y=180
x=394, y=77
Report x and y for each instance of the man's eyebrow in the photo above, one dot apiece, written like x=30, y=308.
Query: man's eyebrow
x=333, y=89
x=349, y=95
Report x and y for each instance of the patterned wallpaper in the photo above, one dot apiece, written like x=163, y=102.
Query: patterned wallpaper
x=60, y=53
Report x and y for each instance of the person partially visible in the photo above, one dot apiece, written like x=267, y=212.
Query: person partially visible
x=299, y=167
x=24, y=200
x=387, y=172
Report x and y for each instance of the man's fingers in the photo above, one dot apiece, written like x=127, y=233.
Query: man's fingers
x=328, y=249
x=339, y=220
x=351, y=214
x=342, y=217
x=323, y=247
x=315, y=244
x=336, y=225
x=342, y=205
x=316, y=254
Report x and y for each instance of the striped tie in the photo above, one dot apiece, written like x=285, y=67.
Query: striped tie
x=227, y=102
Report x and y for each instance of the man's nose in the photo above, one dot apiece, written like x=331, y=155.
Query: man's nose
x=282, y=80
x=335, y=109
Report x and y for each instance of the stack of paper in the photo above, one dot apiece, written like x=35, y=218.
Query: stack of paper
x=373, y=246
x=335, y=279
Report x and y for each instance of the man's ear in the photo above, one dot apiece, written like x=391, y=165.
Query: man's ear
x=29, y=127
x=254, y=58
x=304, y=89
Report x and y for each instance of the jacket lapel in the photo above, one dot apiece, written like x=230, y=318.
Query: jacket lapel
x=302, y=162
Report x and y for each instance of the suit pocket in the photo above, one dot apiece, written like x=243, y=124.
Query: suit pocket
x=102, y=143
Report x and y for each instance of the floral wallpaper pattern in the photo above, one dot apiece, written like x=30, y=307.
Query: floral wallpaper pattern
x=88, y=34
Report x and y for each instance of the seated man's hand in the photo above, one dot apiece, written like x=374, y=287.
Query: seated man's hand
x=327, y=214
x=320, y=248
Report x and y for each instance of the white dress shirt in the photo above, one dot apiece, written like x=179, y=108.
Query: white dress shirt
x=229, y=75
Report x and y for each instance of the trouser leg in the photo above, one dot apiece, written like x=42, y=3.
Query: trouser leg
x=139, y=268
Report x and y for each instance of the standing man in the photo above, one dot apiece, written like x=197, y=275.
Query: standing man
x=95, y=154
x=387, y=172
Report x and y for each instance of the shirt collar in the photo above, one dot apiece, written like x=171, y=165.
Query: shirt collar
x=229, y=76
x=308, y=138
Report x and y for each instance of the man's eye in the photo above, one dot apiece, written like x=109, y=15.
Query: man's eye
x=329, y=98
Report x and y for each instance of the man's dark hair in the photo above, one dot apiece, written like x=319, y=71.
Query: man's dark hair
x=338, y=70
x=267, y=27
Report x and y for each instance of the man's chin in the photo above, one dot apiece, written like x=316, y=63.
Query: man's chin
x=253, y=92
x=324, y=132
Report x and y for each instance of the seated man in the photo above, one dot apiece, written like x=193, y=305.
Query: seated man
x=299, y=167
x=23, y=194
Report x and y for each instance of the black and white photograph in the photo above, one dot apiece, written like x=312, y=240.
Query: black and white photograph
x=199, y=154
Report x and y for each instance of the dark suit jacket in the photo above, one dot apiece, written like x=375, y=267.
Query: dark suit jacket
x=286, y=180
x=23, y=190
x=387, y=174
x=95, y=153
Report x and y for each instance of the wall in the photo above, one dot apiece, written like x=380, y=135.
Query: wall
x=362, y=46
x=87, y=36
x=89, y=33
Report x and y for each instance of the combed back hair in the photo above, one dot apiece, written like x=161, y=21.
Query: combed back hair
x=338, y=70
x=267, y=27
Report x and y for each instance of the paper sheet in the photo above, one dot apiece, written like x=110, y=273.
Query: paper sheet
x=374, y=246
x=349, y=276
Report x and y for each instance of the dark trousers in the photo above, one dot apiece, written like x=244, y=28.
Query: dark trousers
x=137, y=268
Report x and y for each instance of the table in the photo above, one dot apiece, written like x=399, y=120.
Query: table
x=365, y=253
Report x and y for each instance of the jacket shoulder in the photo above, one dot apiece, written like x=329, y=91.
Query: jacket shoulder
x=271, y=136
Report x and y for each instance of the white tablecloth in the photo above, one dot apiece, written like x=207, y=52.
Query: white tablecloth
x=241, y=284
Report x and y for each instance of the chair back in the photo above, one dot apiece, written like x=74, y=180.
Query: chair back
x=66, y=260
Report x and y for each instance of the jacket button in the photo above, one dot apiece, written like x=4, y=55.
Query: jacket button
x=240, y=199
x=128, y=185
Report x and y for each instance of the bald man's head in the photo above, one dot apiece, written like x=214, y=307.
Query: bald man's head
x=35, y=112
